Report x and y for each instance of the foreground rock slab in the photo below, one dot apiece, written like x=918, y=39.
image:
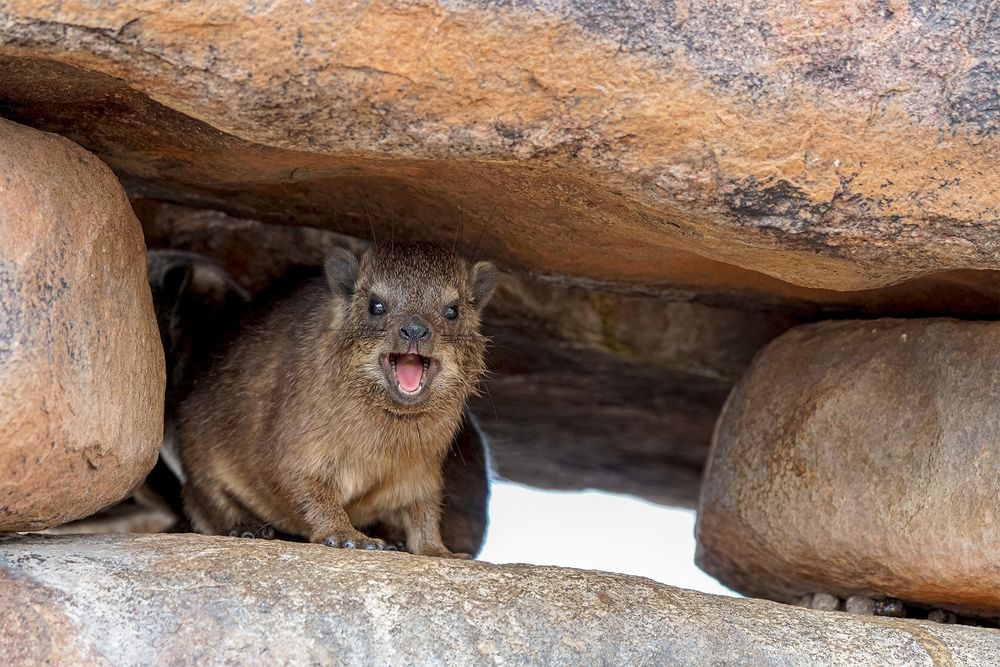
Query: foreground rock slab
x=81, y=367
x=861, y=458
x=189, y=599
x=635, y=141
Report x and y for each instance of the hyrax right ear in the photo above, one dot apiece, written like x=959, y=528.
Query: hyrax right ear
x=485, y=278
x=341, y=267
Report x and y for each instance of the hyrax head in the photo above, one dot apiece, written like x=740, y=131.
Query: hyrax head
x=412, y=312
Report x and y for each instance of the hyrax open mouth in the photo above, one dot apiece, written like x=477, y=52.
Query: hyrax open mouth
x=411, y=372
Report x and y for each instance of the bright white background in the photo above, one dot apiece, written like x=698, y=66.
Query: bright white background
x=595, y=531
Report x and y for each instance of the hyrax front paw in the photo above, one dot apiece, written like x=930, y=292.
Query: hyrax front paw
x=355, y=540
x=259, y=532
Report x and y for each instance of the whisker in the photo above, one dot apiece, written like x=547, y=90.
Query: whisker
x=371, y=225
x=458, y=233
x=479, y=243
x=489, y=396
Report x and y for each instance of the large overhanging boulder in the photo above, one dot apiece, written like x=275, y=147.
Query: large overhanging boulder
x=829, y=145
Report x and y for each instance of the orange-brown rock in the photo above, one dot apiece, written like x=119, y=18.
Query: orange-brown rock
x=838, y=146
x=861, y=458
x=81, y=367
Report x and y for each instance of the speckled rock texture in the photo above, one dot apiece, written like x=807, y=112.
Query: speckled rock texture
x=195, y=600
x=831, y=145
x=862, y=458
x=81, y=367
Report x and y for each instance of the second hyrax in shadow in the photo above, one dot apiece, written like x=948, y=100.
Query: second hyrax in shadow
x=333, y=410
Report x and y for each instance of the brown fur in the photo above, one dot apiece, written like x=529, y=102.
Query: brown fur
x=296, y=427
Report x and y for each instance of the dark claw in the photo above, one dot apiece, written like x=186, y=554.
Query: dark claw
x=354, y=542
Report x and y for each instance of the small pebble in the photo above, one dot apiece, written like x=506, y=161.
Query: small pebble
x=942, y=616
x=859, y=604
x=825, y=602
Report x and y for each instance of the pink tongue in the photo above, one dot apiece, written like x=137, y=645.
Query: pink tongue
x=409, y=370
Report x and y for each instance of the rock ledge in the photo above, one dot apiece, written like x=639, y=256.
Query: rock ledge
x=189, y=599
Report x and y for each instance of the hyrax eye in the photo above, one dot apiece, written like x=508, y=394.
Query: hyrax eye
x=451, y=312
x=376, y=307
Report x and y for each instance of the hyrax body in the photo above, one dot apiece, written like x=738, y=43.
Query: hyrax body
x=334, y=410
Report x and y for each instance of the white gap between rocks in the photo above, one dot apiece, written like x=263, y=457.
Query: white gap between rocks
x=594, y=530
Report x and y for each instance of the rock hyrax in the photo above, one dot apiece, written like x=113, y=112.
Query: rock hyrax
x=333, y=410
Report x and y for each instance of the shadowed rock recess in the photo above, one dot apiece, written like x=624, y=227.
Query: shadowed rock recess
x=197, y=600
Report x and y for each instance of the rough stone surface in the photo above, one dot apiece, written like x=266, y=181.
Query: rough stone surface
x=831, y=145
x=129, y=516
x=859, y=604
x=861, y=458
x=81, y=367
x=974, y=294
x=183, y=599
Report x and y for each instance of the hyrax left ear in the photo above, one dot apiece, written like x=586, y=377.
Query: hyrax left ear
x=341, y=267
x=485, y=278
x=176, y=279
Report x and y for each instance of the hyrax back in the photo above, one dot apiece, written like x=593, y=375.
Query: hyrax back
x=334, y=409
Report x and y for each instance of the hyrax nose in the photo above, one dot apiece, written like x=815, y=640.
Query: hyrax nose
x=416, y=330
